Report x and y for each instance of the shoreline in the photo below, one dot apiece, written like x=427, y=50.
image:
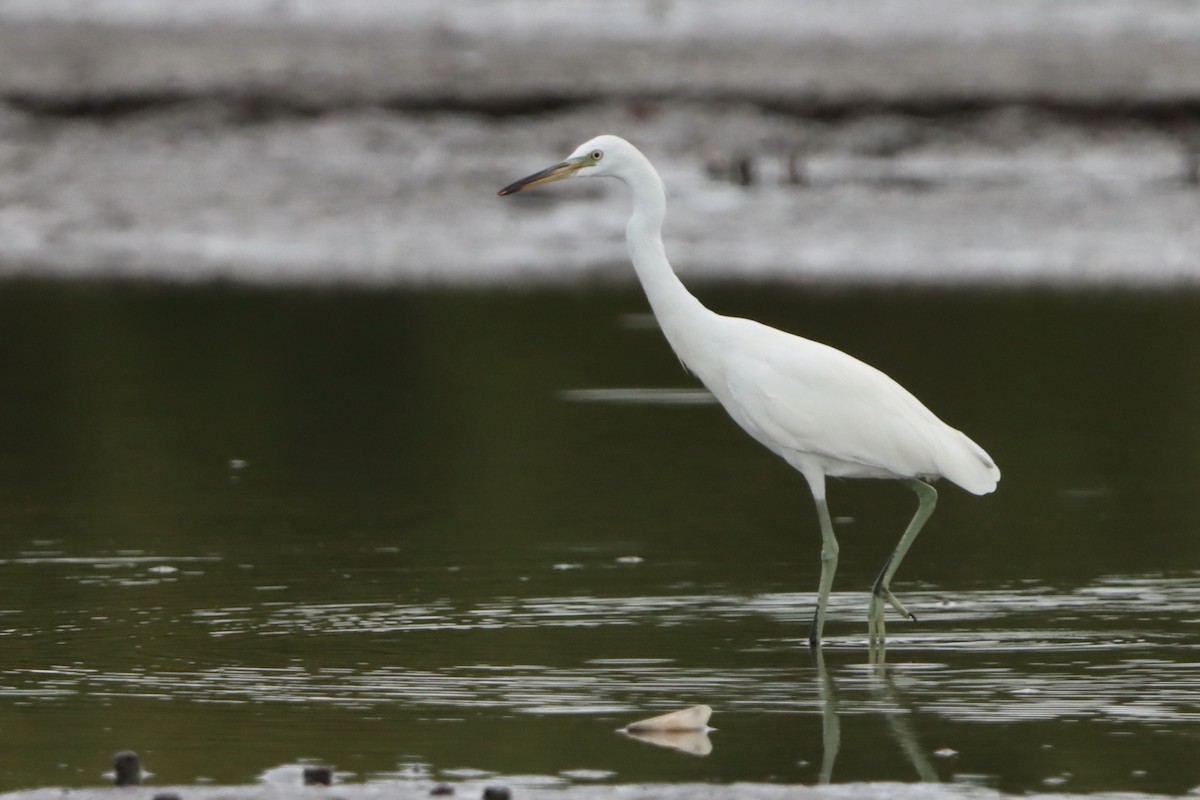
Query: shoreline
x=1033, y=144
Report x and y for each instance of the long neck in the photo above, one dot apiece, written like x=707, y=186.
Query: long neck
x=673, y=305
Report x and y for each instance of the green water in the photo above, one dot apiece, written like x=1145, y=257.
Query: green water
x=410, y=534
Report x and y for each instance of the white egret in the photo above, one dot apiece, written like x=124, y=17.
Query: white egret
x=825, y=412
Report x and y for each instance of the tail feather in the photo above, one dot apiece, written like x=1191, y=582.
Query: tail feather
x=968, y=465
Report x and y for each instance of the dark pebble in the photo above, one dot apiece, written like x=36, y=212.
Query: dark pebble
x=497, y=793
x=166, y=796
x=128, y=768
x=318, y=776
x=442, y=790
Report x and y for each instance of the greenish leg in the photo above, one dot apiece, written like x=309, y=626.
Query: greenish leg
x=829, y=559
x=927, y=497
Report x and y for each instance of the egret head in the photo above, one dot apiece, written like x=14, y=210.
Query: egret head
x=603, y=155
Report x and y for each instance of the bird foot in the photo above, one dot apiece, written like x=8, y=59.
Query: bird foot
x=876, y=631
x=880, y=592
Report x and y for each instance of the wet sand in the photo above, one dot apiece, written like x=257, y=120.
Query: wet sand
x=957, y=144
x=501, y=54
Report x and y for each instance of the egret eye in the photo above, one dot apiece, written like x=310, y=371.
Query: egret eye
x=597, y=155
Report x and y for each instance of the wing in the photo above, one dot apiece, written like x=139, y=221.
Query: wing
x=805, y=399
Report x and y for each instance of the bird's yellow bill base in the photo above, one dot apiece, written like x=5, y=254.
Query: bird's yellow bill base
x=549, y=175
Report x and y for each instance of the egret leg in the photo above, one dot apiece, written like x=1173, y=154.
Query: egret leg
x=927, y=498
x=829, y=559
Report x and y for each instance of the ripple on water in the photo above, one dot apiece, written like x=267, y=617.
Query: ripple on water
x=641, y=396
x=987, y=656
x=123, y=569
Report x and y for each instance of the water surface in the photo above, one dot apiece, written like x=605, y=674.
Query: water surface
x=438, y=536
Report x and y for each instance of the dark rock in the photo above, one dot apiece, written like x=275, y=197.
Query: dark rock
x=318, y=776
x=127, y=768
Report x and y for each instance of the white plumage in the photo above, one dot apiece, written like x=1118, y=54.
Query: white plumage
x=823, y=411
x=820, y=408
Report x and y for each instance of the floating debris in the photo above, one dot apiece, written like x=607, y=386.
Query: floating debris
x=685, y=730
x=686, y=719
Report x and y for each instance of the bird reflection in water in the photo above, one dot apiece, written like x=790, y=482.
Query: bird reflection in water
x=897, y=712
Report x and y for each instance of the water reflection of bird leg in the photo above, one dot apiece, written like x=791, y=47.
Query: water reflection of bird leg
x=900, y=723
x=831, y=727
x=898, y=714
x=927, y=497
x=877, y=647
